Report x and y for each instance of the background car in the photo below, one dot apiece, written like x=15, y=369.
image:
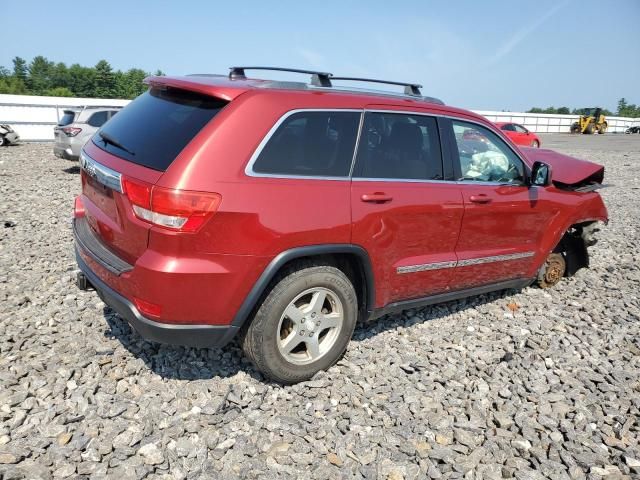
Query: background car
x=76, y=127
x=519, y=135
x=8, y=135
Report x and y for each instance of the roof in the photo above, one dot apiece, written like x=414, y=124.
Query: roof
x=222, y=86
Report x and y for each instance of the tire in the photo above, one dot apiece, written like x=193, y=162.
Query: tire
x=575, y=128
x=590, y=129
x=2, y=140
x=603, y=129
x=286, y=340
x=535, y=144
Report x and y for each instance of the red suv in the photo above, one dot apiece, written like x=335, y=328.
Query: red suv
x=283, y=212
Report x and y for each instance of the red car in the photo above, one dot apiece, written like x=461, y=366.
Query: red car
x=519, y=135
x=221, y=206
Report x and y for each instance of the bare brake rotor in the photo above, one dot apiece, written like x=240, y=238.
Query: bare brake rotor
x=552, y=271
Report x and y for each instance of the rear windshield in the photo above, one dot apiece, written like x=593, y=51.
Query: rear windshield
x=154, y=128
x=67, y=118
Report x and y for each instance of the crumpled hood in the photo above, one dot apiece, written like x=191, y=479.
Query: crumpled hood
x=566, y=170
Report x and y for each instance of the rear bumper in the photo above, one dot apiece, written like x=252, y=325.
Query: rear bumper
x=186, y=335
x=64, y=151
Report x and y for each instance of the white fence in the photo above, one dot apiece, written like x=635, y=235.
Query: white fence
x=551, y=123
x=34, y=117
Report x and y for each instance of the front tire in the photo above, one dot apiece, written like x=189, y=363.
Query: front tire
x=535, y=144
x=2, y=140
x=303, y=325
x=575, y=128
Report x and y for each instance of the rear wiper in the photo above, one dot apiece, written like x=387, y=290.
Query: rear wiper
x=106, y=138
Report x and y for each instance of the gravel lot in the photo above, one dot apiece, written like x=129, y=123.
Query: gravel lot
x=467, y=389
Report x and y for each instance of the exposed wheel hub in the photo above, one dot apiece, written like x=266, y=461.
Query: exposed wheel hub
x=553, y=270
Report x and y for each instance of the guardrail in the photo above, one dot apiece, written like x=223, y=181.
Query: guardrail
x=34, y=117
x=552, y=123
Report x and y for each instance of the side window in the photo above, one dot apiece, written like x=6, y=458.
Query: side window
x=399, y=146
x=519, y=128
x=112, y=113
x=509, y=127
x=98, y=119
x=311, y=144
x=484, y=156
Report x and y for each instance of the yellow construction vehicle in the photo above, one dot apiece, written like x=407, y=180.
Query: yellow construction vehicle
x=591, y=121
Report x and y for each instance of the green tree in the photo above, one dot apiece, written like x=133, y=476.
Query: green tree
x=20, y=69
x=60, y=76
x=39, y=80
x=129, y=83
x=628, y=109
x=82, y=81
x=105, y=80
x=44, y=77
x=13, y=86
x=59, y=92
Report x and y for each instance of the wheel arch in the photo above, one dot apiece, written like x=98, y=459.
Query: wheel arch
x=356, y=255
x=573, y=238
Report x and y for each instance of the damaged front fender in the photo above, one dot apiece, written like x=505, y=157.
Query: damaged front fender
x=568, y=173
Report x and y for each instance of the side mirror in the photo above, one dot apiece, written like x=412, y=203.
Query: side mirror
x=540, y=174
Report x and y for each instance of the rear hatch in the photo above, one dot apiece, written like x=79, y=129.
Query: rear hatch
x=129, y=155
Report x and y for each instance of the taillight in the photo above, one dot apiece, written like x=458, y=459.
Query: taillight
x=178, y=210
x=71, y=131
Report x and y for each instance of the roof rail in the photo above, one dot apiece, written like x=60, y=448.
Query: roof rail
x=323, y=79
x=318, y=79
x=409, y=88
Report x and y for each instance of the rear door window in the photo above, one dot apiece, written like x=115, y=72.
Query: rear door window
x=399, y=146
x=156, y=126
x=98, y=119
x=311, y=143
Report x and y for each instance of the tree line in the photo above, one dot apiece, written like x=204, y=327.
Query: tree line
x=44, y=77
x=625, y=109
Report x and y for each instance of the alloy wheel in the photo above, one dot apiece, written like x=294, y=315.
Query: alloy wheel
x=310, y=326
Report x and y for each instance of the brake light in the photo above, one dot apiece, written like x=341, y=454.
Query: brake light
x=178, y=210
x=71, y=131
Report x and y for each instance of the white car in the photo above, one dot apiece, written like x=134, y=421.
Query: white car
x=77, y=126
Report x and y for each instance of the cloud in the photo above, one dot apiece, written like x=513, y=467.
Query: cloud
x=524, y=32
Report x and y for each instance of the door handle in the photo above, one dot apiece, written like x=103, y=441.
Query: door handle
x=482, y=198
x=377, y=197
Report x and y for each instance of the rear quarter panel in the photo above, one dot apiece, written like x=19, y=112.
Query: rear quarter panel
x=259, y=215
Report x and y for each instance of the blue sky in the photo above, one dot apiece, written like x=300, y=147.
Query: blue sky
x=491, y=55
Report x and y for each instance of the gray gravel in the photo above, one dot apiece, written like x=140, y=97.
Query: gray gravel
x=468, y=389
